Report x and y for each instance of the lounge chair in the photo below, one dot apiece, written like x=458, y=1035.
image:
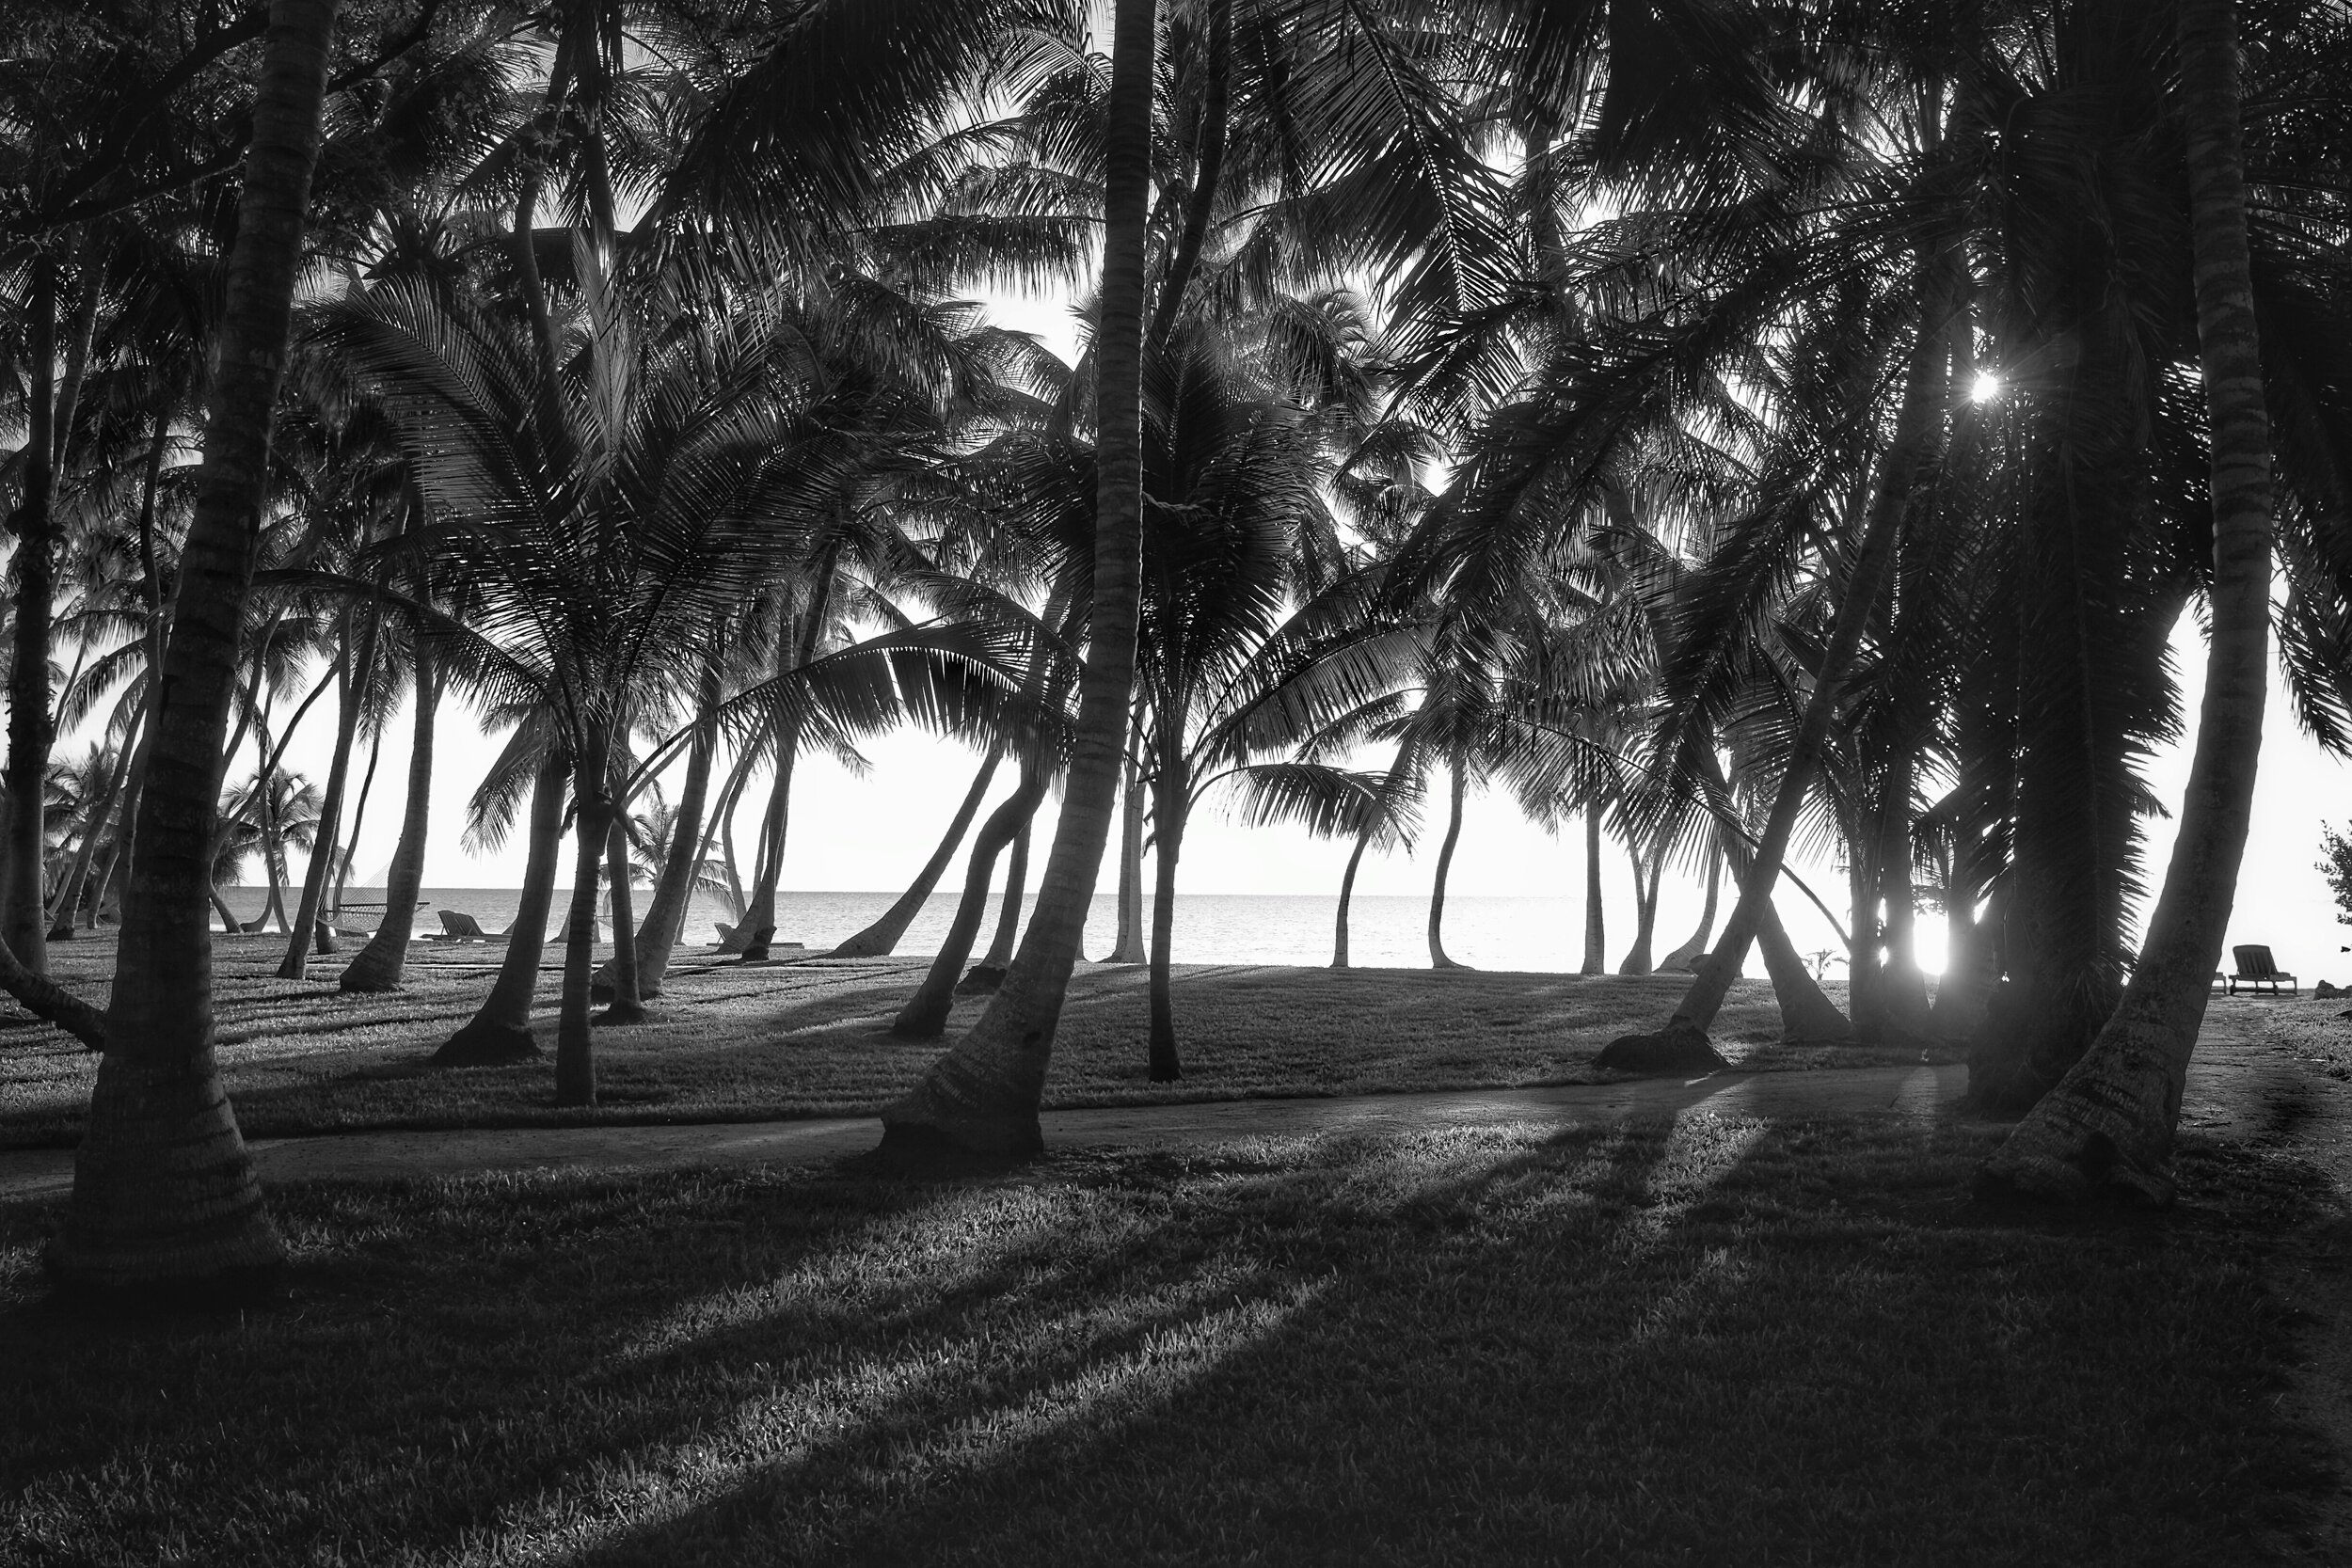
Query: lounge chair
x=2255, y=968
x=456, y=926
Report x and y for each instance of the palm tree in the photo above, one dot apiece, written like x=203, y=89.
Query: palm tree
x=983, y=1095
x=163, y=1190
x=2110, y=1122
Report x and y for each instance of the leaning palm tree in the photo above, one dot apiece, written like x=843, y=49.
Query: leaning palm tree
x=164, y=1192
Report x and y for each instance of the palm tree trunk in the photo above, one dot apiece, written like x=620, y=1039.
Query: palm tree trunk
x=999, y=955
x=310, y=929
x=77, y=879
x=575, y=1030
x=681, y=864
x=2110, y=1122
x=1596, y=912
x=626, y=1005
x=1874, y=562
x=32, y=727
x=1645, y=881
x=1459, y=787
x=1171, y=798
x=358, y=821
x=983, y=1095
x=500, y=1030
x=379, y=964
x=1807, y=1016
x=759, y=914
x=1347, y=896
x=1681, y=957
x=164, y=1191
x=1128, y=948
x=925, y=1015
x=881, y=937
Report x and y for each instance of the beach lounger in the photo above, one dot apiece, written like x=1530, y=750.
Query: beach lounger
x=2255, y=968
x=458, y=926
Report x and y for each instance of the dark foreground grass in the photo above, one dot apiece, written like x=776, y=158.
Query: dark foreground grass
x=728, y=1043
x=1704, y=1341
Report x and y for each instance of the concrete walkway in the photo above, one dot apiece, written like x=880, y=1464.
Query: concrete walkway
x=402, y=1155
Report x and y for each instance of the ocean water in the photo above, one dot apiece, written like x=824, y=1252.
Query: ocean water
x=1517, y=933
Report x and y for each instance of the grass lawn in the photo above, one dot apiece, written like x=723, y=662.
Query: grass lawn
x=805, y=1040
x=1709, y=1340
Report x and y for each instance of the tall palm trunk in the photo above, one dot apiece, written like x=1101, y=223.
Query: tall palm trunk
x=1647, y=875
x=881, y=937
x=574, y=1029
x=352, y=668
x=626, y=1005
x=1128, y=947
x=1681, y=957
x=31, y=725
x=379, y=964
x=983, y=1095
x=759, y=913
x=1595, y=910
x=924, y=1014
x=1171, y=799
x=2110, y=1120
x=681, y=863
x=500, y=1030
x=77, y=877
x=1348, y=898
x=1866, y=584
x=1015, y=897
x=164, y=1191
x=1456, y=791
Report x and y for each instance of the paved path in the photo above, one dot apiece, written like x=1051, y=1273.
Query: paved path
x=372, y=1156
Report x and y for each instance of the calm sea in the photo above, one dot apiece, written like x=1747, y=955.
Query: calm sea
x=1211, y=927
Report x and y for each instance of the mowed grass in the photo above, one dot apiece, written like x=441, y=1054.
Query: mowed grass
x=808, y=1039
x=1703, y=1340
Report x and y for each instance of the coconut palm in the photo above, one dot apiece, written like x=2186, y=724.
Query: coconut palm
x=163, y=1190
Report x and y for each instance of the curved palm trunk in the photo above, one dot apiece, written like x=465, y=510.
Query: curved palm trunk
x=1455, y=792
x=1171, y=799
x=881, y=937
x=1645, y=881
x=1348, y=898
x=1682, y=957
x=379, y=964
x=628, y=1005
x=2110, y=1122
x=1902, y=984
x=1595, y=910
x=665, y=916
x=925, y=1015
x=983, y=1095
x=1128, y=949
x=310, y=929
x=575, y=1030
x=1807, y=1016
x=992, y=963
x=23, y=924
x=164, y=1191
x=1874, y=568
x=77, y=879
x=759, y=914
x=500, y=1030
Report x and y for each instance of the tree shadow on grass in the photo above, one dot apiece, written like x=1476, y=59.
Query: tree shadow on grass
x=1691, y=1337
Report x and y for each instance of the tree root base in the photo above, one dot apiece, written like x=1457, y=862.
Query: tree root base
x=968, y=1149
x=482, y=1043
x=981, y=981
x=1679, y=1048
x=619, y=1016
